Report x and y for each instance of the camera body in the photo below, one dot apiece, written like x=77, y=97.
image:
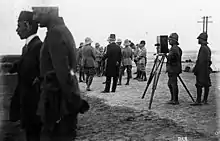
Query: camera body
x=162, y=44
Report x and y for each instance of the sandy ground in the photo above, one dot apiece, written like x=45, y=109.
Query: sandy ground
x=124, y=116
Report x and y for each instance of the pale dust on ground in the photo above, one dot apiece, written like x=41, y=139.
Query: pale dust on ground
x=201, y=120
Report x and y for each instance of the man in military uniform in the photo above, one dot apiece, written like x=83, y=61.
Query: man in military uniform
x=26, y=97
x=88, y=53
x=60, y=100
x=113, y=56
x=80, y=63
x=98, y=59
x=126, y=62
x=202, y=70
x=174, y=67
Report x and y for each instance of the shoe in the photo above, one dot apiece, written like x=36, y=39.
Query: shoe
x=205, y=102
x=127, y=84
x=88, y=89
x=113, y=91
x=103, y=82
x=170, y=102
x=104, y=91
x=196, y=104
x=119, y=84
x=175, y=103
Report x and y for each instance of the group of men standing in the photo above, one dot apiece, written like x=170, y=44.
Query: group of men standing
x=111, y=61
x=47, y=98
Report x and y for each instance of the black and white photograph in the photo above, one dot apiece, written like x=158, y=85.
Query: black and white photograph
x=109, y=70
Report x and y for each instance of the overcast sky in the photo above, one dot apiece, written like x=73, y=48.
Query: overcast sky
x=133, y=19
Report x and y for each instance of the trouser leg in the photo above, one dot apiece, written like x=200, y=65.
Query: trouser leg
x=128, y=74
x=114, y=85
x=206, y=94
x=107, y=84
x=199, y=94
x=120, y=74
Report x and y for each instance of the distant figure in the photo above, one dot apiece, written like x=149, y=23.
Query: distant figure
x=113, y=56
x=174, y=67
x=98, y=59
x=89, y=56
x=135, y=53
x=119, y=42
x=60, y=100
x=26, y=96
x=126, y=62
x=80, y=63
x=141, y=62
x=202, y=70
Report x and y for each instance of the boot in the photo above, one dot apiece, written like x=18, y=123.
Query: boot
x=205, y=98
x=199, y=94
x=144, y=76
x=119, y=79
x=89, y=83
x=175, y=94
x=128, y=79
x=171, y=92
x=138, y=75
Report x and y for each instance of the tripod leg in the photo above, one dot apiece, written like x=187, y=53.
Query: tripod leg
x=186, y=88
x=152, y=73
x=156, y=78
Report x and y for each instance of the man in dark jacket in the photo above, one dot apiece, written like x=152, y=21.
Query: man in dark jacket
x=60, y=100
x=113, y=56
x=202, y=69
x=25, y=99
x=174, y=67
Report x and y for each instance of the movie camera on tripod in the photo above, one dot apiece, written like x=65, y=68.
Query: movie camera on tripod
x=162, y=50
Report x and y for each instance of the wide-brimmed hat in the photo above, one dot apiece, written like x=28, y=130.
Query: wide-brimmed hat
x=174, y=37
x=143, y=42
x=126, y=42
x=52, y=10
x=119, y=41
x=112, y=37
x=88, y=41
x=97, y=44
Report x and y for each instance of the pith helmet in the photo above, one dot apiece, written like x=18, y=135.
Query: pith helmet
x=203, y=36
x=174, y=37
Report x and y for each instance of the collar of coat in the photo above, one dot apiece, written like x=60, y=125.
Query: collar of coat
x=55, y=21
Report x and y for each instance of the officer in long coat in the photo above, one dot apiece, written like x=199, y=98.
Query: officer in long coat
x=126, y=62
x=26, y=97
x=113, y=56
x=202, y=70
x=174, y=67
x=60, y=100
